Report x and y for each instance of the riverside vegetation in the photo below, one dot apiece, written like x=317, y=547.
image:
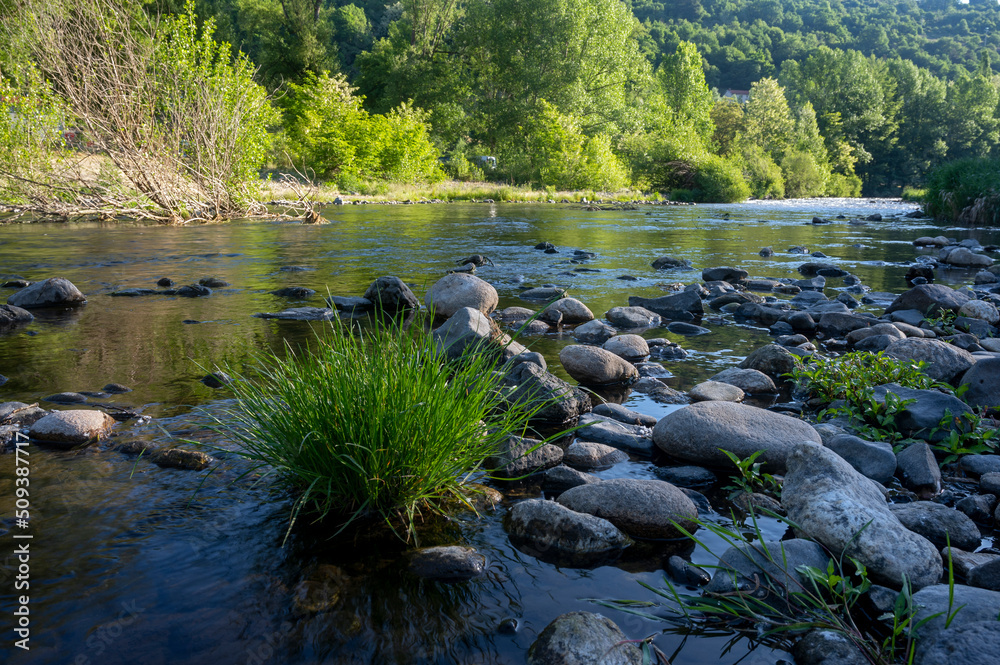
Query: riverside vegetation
x=622, y=95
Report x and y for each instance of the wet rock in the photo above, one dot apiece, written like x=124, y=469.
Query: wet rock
x=543, y=293
x=929, y=299
x=757, y=503
x=918, y=470
x=448, y=564
x=594, y=332
x=938, y=524
x=67, y=398
x=926, y=412
x=545, y=245
x=453, y=292
x=963, y=562
x=217, y=380
x=592, y=366
x=835, y=505
x=749, y=381
x=624, y=415
x=549, y=528
x=980, y=464
x=681, y=306
x=19, y=413
x=814, y=268
x=631, y=438
x=177, y=458
x=191, y=291
x=972, y=637
x=213, y=282
x=827, y=647
x=629, y=347
x=964, y=257
x=659, y=391
x=349, y=305
x=723, y=274
x=164, y=282
x=978, y=507
x=519, y=457
x=300, y=314
x=697, y=433
x=294, y=292
x=684, y=328
x=8, y=441
x=833, y=324
x=985, y=575
x=560, y=478
x=321, y=592
x=983, y=381
x=670, y=262
x=11, y=316
x=989, y=483
x=67, y=429
x=945, y=362
x=52, y=292
x=766, y=252
x=762, y=569
x=886, y=329
x=872, y=459
x=467, y=330
x=590, y=456
x=685, y=572
x=632, y=317
x=640, y=508
x=531, y=385
x=390, y=294
x=583, y=638
x=982, y=310
x=773, y=360
x=572, y=310
x=664, y=349
x=716, y=391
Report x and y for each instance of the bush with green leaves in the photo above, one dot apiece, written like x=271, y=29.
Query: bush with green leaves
x=719, y=180
x=762, y=173
x=804, y=175
x=330, y=133
x=967, y=191
x=848, y=377
x=373, y=423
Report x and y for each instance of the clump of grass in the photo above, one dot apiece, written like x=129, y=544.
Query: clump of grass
x=373, y=424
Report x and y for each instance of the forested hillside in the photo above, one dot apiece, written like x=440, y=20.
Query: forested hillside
x=605, y=94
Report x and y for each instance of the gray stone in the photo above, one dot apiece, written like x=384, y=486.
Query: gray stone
x=594, y=332
x=937, y=644
x=635, y=439
x=177, y=458
x=629, y=347
x=980, y=464
x=685, y=328
x=300, y=314
x=543, y=293
x=938, y=524
x=448, y=564
x=834, y=324
x=11, y=316
x=669, y=262
x=773, y=360
x=686, y=476
x=963, y=562
x=762, y=569
x=983, y=380
x=293, y=292
x=591, y=456
x=66, y=398
x=982, y=310
x=19, y=413
x=723, y=274
x=217, y=379
x=350, y=305
x=453, y=292
x=632, y=317
x=715, y=391
x=680, y=306
x=975, y=643
x=750, y=381
x=697, y=433
x=191, y=291
x=888, y=329
x=583, y=638
x=52, y=292
x=593, y=366
x=572, y=310
x=560, y=478
x=68, y=429
x=871, y=459
x=549, y=528
x=835, y=505
x=926, y=412
x=466, y=331
x=945, y=362
x=640, y=508
x=390, y=294
x=964, y=257
x=989, y=483
x=919, y=470
x=624, y=415
x=928, y=300
x=533, y=386
x=978, y=507
x=827, y=647
x=518, y=457
x=685, y=572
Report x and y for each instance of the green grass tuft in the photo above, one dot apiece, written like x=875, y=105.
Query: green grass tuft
x=373, y=424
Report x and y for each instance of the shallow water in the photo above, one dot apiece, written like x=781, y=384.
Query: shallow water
x=133, y=563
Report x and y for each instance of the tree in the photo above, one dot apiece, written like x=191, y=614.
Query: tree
x=682, y=79
x=768, y=121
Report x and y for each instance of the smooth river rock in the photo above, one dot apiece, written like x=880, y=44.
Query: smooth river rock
x=451, y=563
x=390, y=294
x=697, y=432
x=945, y=362
x=972, y=636
x=453, y=292
x=572, y=310
x=549, y=528
x=11, y=316
x=533, y=386
x=640, y=508
x=51, y=292
x=594, y=367
x=583, y=638
x=846, y=512
x=72, y=428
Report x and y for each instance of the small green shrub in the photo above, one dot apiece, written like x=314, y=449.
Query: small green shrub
x=377, y=424
x=804, y=176
x=914, y=194
x=718, y=180
x=762, y=173
x=848, y=376
x=845, y=186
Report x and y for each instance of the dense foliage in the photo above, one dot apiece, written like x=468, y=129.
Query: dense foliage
x=966, y=191
x=845, y=95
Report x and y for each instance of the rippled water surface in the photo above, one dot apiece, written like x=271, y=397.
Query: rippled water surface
x=132, y=563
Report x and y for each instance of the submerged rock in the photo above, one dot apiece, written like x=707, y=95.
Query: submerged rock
x=448, y=564
x=300, y=314
x=583, y=638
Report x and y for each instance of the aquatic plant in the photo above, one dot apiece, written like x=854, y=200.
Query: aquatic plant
x=374, y=423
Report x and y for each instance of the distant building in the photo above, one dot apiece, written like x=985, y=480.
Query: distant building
x=742, y=96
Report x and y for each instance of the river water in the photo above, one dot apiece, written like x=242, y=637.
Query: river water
x=133, y=563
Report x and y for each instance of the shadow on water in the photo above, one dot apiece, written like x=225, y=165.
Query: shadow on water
x=134, y=563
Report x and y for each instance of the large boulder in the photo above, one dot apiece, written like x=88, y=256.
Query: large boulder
x=550, y=528
x=390, y=294
x=583, y=638
x=929, y=299
x=572, y=310
x=983, y=380
x=451, y=563
x=946, y=362
x=457, y=290
x=922, y=417
x=531, y=385
x=52, y=292
x=957, y=624
x=592, y=366
x=835, y=505
x=700, y=432
x=641, y=508
x=685, y=305
x=72, y=428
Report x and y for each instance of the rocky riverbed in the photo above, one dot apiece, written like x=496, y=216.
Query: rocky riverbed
x=897, y=512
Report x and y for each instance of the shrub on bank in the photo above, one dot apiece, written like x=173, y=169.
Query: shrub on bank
x=373, y=424
x=966, y=191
